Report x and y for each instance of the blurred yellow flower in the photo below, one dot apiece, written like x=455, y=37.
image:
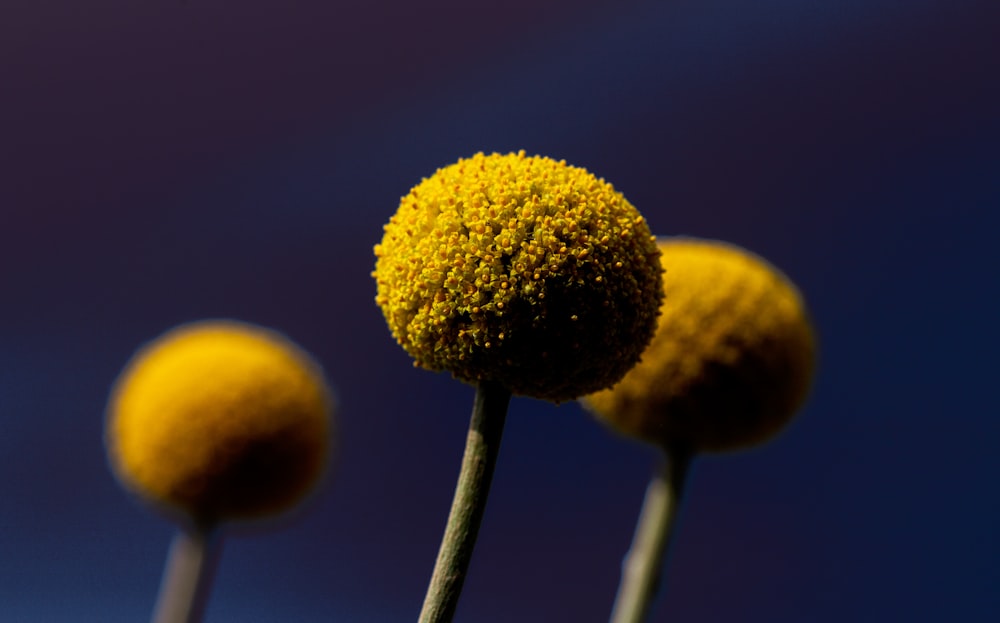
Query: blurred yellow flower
x=731, y=362
x=220, y=420
x=521, y=270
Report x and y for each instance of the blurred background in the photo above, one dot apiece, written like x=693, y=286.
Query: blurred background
x=167, y=161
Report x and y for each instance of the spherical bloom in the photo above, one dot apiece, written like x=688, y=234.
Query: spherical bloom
x=732, y=359
x=521, y=270
x=220, y=420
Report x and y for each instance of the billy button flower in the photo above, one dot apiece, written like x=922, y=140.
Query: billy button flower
x=520, y=270
x=520, y=275
x=730, y=365
x=216, y=421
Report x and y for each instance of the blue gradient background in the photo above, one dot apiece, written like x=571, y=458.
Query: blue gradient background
x=162, y=162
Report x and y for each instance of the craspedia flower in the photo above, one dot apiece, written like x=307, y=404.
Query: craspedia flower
x=520, y=270
x=732, y=359
x=220, y=420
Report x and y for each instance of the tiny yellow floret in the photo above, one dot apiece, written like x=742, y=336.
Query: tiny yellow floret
x=731, y=362
x=520, y=270
x=220, y=420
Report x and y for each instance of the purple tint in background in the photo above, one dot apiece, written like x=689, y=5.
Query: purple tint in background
x=164, y=162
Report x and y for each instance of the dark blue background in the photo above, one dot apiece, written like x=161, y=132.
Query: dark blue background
x=162, y=162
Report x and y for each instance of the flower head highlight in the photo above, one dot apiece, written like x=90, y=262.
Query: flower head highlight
x=220, y=420
x=521, y=270
x=731, y=362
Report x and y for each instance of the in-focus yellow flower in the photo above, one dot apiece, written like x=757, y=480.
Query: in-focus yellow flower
x=731, y=362
x=520, y=270
x=220, y=420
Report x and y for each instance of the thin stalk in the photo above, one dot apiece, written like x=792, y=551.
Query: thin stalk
x=481, y=448
x=643, y=564
x=187, y=576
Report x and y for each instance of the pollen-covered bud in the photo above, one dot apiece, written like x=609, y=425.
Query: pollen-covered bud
x=520, y=270
x=731, y=362
x=220, y=420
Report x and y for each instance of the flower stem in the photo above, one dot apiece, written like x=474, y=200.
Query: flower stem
x=187, y=577
x=481, y=449
x=644, y=561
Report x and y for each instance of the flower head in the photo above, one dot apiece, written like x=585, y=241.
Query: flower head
x=731, y=362
x=521, y=270
x=220, y=420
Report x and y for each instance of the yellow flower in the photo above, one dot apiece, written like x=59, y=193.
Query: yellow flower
x=731, y=362
x=220, y=420
x=521, y=270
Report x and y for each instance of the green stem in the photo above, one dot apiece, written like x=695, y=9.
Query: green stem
x=187, y=577
x=644, y=561
x=481, y=449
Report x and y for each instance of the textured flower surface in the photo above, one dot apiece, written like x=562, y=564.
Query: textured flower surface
x=521, y=270
x=220, y=420
x=732, y=359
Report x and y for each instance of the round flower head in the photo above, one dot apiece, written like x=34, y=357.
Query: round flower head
x=220, y=420
x=520, y=270
x=731, y=362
